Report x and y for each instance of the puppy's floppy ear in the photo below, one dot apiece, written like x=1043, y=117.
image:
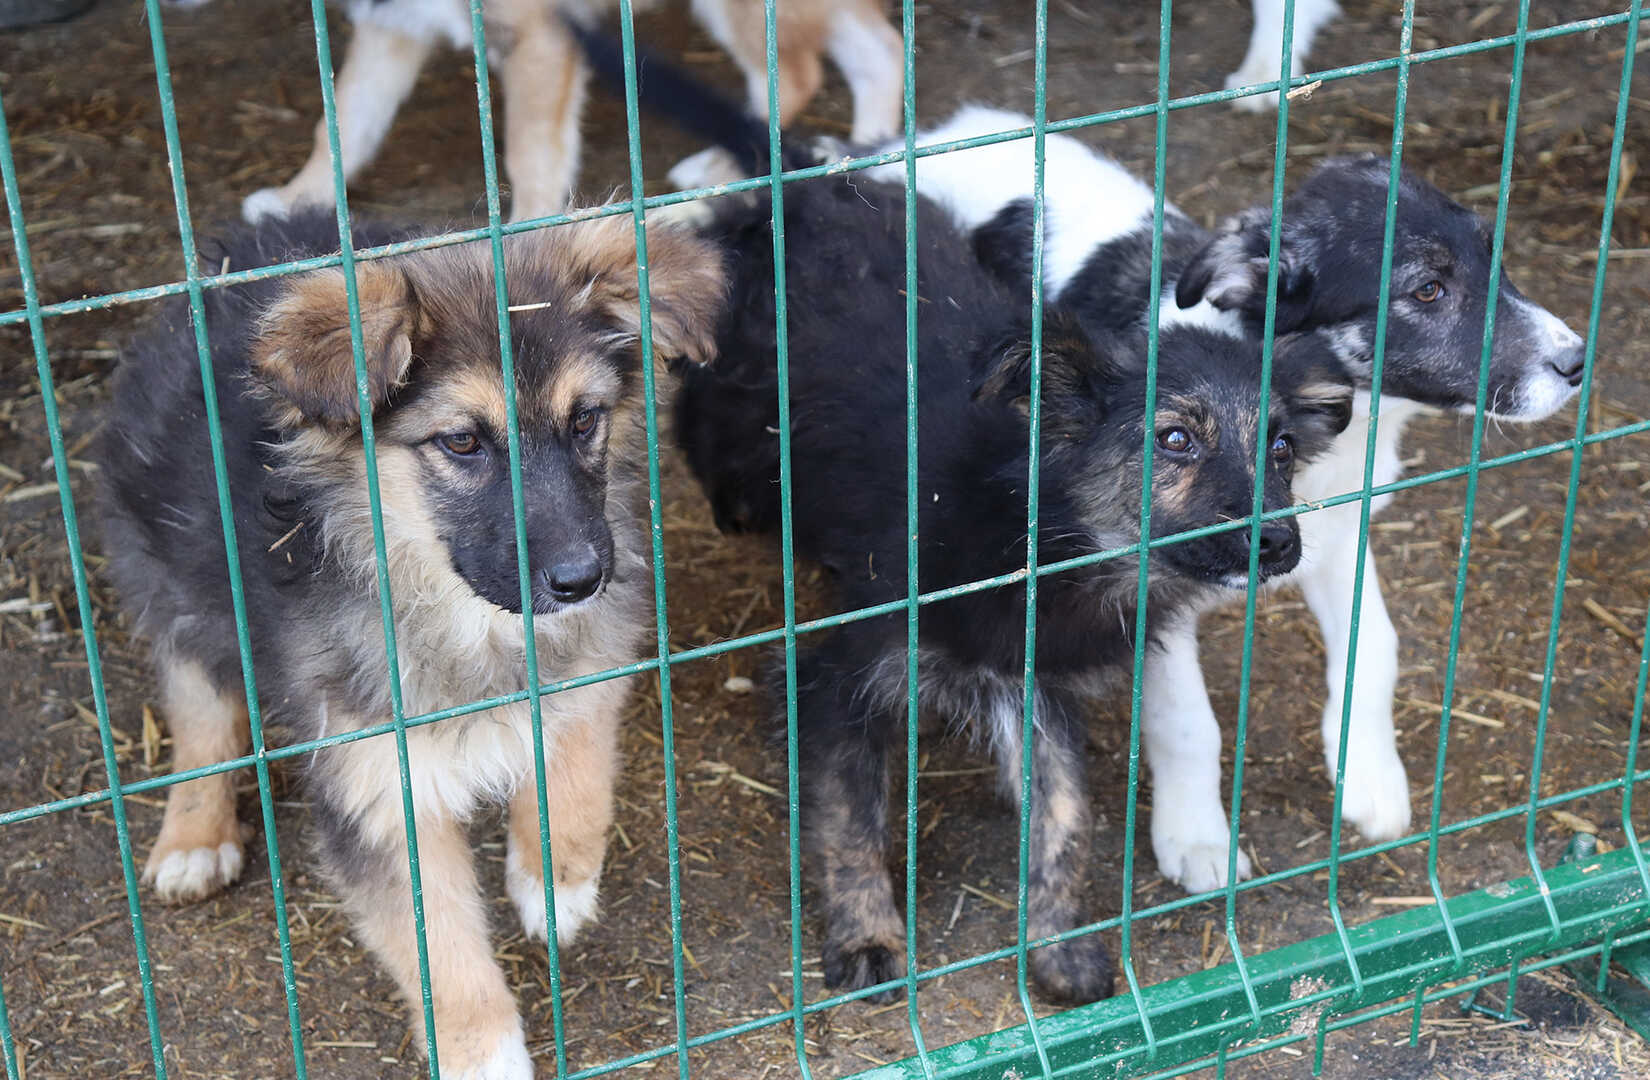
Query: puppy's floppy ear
x=1230, y=272
x=301, y=355
x=687, y=281
x=1316, y=384
x=1077, y=370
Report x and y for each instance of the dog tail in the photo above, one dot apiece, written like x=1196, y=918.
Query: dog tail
x=671, y=92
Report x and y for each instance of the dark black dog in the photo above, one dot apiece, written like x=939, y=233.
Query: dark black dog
x=845, y=283
x=845, y=288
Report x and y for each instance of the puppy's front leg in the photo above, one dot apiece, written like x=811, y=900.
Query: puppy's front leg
x=379, y=71
x=198, y=851
x=544, y=78
x=1178, y=729
x=1078, y=970
x=478, y=1034
x=1377, y=791
x=579, y=771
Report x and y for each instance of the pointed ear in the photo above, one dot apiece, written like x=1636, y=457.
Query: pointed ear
x=1230, y=272
x=1318, y=387
x=301, y=355
x=687, y=281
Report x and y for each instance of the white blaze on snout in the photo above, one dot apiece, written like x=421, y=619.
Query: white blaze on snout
x=1542, y=391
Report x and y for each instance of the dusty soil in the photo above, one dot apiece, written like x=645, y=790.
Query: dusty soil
x=80, y=100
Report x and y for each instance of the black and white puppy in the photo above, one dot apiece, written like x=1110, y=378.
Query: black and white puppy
x=845, y=284
x=1097, y=260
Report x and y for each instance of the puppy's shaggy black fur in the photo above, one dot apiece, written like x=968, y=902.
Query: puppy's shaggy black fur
x=845, y=285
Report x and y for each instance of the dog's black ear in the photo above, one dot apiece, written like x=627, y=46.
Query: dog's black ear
x=302, y=360
x=687, y=281
x=1078, y=370
x=1230, y=272
x=1316, y=385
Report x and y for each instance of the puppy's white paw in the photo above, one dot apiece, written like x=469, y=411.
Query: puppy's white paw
x=575, y=903
x=707, y=168
x=190, y=874
x=508, y=1062
x=1198, y=867
x=1376, y=799
x=265, y=204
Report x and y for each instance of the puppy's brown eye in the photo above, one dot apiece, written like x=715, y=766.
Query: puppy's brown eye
x=584, y=421
x=1175, y=440
x=461, y=444
x=1429, y=292
x=1283, y=449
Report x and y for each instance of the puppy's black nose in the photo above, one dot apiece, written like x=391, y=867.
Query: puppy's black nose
x=575, y=576
x=1278, y=543
x=1569, y=363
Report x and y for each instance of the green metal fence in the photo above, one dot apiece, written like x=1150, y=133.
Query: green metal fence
x=1589, y=909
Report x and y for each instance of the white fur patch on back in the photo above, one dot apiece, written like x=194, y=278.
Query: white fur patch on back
x=1088, y=199
x=1203, y=313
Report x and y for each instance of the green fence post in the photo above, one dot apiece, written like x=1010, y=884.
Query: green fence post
x=656, y=529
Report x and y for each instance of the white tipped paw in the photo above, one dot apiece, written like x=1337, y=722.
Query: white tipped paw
x=190, y=874
x=1247, y=75
x=1376, y=799
x=508, y=1062
x=1198, y=867
x=266, y=204
x=576, y=903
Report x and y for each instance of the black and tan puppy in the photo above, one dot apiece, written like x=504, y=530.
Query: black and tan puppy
x=845, y=285
x=285, y=383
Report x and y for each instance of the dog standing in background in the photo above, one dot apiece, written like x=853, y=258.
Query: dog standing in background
x=285, y=380
x=1264, y=60
x=542, y=77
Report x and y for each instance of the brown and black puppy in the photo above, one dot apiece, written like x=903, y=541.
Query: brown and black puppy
x=285, y=382
x=846, y=288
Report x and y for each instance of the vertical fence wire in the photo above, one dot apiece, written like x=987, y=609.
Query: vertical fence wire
x=83, y=600
x=1154, y=301
x=386, y=602
x=1034, y=436
x=908, y=117
x=226, y=517
x=655, y=502
x=512, y=425
x=1583, y=401
x=1246, y=671
x=1468, y=515
x=787, y=552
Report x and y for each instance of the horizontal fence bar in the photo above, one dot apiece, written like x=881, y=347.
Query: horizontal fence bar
x=1301, y=986
x=851, y=164
x=763, y=637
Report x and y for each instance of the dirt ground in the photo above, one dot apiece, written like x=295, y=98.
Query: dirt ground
x=85, y=123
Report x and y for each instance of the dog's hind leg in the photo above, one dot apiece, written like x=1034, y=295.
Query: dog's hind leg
x=871, y=56
x=1181, y=736
x=1376, y=798
x=1264, y=60
x=579, y=769
x=198, y=850
x=379, y=71
x=478, y=1032
x=843, y=747
x=1080, y=969
x=544, y=77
